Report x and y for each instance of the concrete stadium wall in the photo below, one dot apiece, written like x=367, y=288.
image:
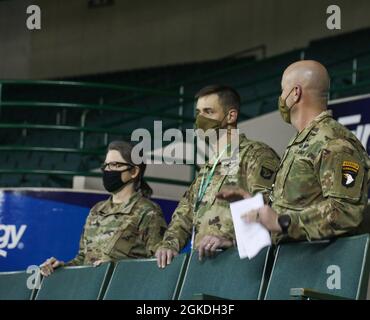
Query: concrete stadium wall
x=75, y=40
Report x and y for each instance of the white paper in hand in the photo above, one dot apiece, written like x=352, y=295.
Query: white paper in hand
x=250, y=237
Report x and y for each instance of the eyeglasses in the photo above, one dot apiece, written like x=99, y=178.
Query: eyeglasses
x=114, y=166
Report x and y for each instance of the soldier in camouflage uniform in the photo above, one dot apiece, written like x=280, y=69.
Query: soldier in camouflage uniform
x=118, y=231
x=320, y=189
x=127, y=225
x=206, y=218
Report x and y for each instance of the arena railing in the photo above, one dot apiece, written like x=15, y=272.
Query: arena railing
x=353, y=72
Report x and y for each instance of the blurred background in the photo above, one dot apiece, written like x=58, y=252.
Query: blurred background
x=97, y=70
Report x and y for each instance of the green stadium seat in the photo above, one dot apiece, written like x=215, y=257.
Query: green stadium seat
x=13, y=286
x=76, y=283
x=142, y=280
x=307, y=269
x=225, y=276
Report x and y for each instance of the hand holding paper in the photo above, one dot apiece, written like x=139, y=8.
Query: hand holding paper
x=250, y=237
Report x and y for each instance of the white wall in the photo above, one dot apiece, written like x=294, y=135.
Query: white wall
x=160, y=190
x=268, y=128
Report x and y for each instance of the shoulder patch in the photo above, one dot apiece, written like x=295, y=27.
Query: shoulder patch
x=349, y=173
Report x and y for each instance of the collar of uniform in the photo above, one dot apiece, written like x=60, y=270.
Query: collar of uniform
x=227, y=159
x=243, y=140
x=112, y=208
x=301, y=136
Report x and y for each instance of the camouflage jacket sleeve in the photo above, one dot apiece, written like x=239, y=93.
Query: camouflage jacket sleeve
x=152, y=228
x=80, y=257
x=259, y=171
x=342, y=173
x=180, y=228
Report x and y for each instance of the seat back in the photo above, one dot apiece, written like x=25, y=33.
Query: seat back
x=141, y=279
x=76, y=283
x=339, y=267
x=13, y=286
x=225, y=276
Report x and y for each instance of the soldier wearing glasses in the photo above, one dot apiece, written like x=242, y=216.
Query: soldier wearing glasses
x=127, y=225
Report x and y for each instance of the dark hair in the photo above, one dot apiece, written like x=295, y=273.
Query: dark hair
x=125, y=148
x=228, y=96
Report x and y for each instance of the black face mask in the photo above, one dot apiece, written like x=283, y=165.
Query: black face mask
x=113, y=182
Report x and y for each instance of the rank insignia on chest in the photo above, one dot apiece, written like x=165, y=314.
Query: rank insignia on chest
x=349, y=173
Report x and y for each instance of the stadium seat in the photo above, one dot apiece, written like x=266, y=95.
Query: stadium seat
x=225, y=276
x=143, y=280
x=76, y=283
x=13, y=286
x=306, y=270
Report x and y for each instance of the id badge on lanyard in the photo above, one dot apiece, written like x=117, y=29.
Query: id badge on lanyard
x=201, y=192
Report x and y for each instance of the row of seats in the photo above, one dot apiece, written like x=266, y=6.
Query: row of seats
x=258, y=82
x=316, y=270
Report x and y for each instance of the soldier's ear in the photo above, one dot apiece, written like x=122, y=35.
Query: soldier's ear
x=135, y=172
x=232, y=116
x=297, y=93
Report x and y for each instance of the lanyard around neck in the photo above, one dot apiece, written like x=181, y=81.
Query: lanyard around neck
x=205, y=182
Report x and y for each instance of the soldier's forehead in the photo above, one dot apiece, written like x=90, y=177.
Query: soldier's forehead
x=114, y=155
x=208, y=101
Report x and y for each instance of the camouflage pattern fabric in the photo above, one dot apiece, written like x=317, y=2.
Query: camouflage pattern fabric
x=118, y=231
x=255, y=172
x=322, y=181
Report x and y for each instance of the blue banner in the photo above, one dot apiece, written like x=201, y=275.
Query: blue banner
x=36, y=225
x=354, y=113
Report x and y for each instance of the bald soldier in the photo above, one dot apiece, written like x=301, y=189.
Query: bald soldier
x=199, y=213
x=320, y=189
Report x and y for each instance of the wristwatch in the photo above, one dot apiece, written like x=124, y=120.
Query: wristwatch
x=284, y=222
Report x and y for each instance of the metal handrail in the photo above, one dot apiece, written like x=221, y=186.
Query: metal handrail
x=93, y=85
x=32, y=104
x=154, y=112
x=18, y=148
x=61, y=127
x=85, y=174
x=252, y=83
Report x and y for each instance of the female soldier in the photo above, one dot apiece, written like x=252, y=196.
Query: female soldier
x=127, y=225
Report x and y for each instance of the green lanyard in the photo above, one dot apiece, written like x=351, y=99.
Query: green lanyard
x=202, y=190
x=205, y=182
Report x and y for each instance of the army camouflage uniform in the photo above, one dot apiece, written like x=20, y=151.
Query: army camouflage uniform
x=322, y=181
x=254, y=173
x=118, y=231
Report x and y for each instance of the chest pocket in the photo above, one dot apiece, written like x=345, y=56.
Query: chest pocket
x=215, y=185
x=281, y=178
x=301, y=185
x=123, y=240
